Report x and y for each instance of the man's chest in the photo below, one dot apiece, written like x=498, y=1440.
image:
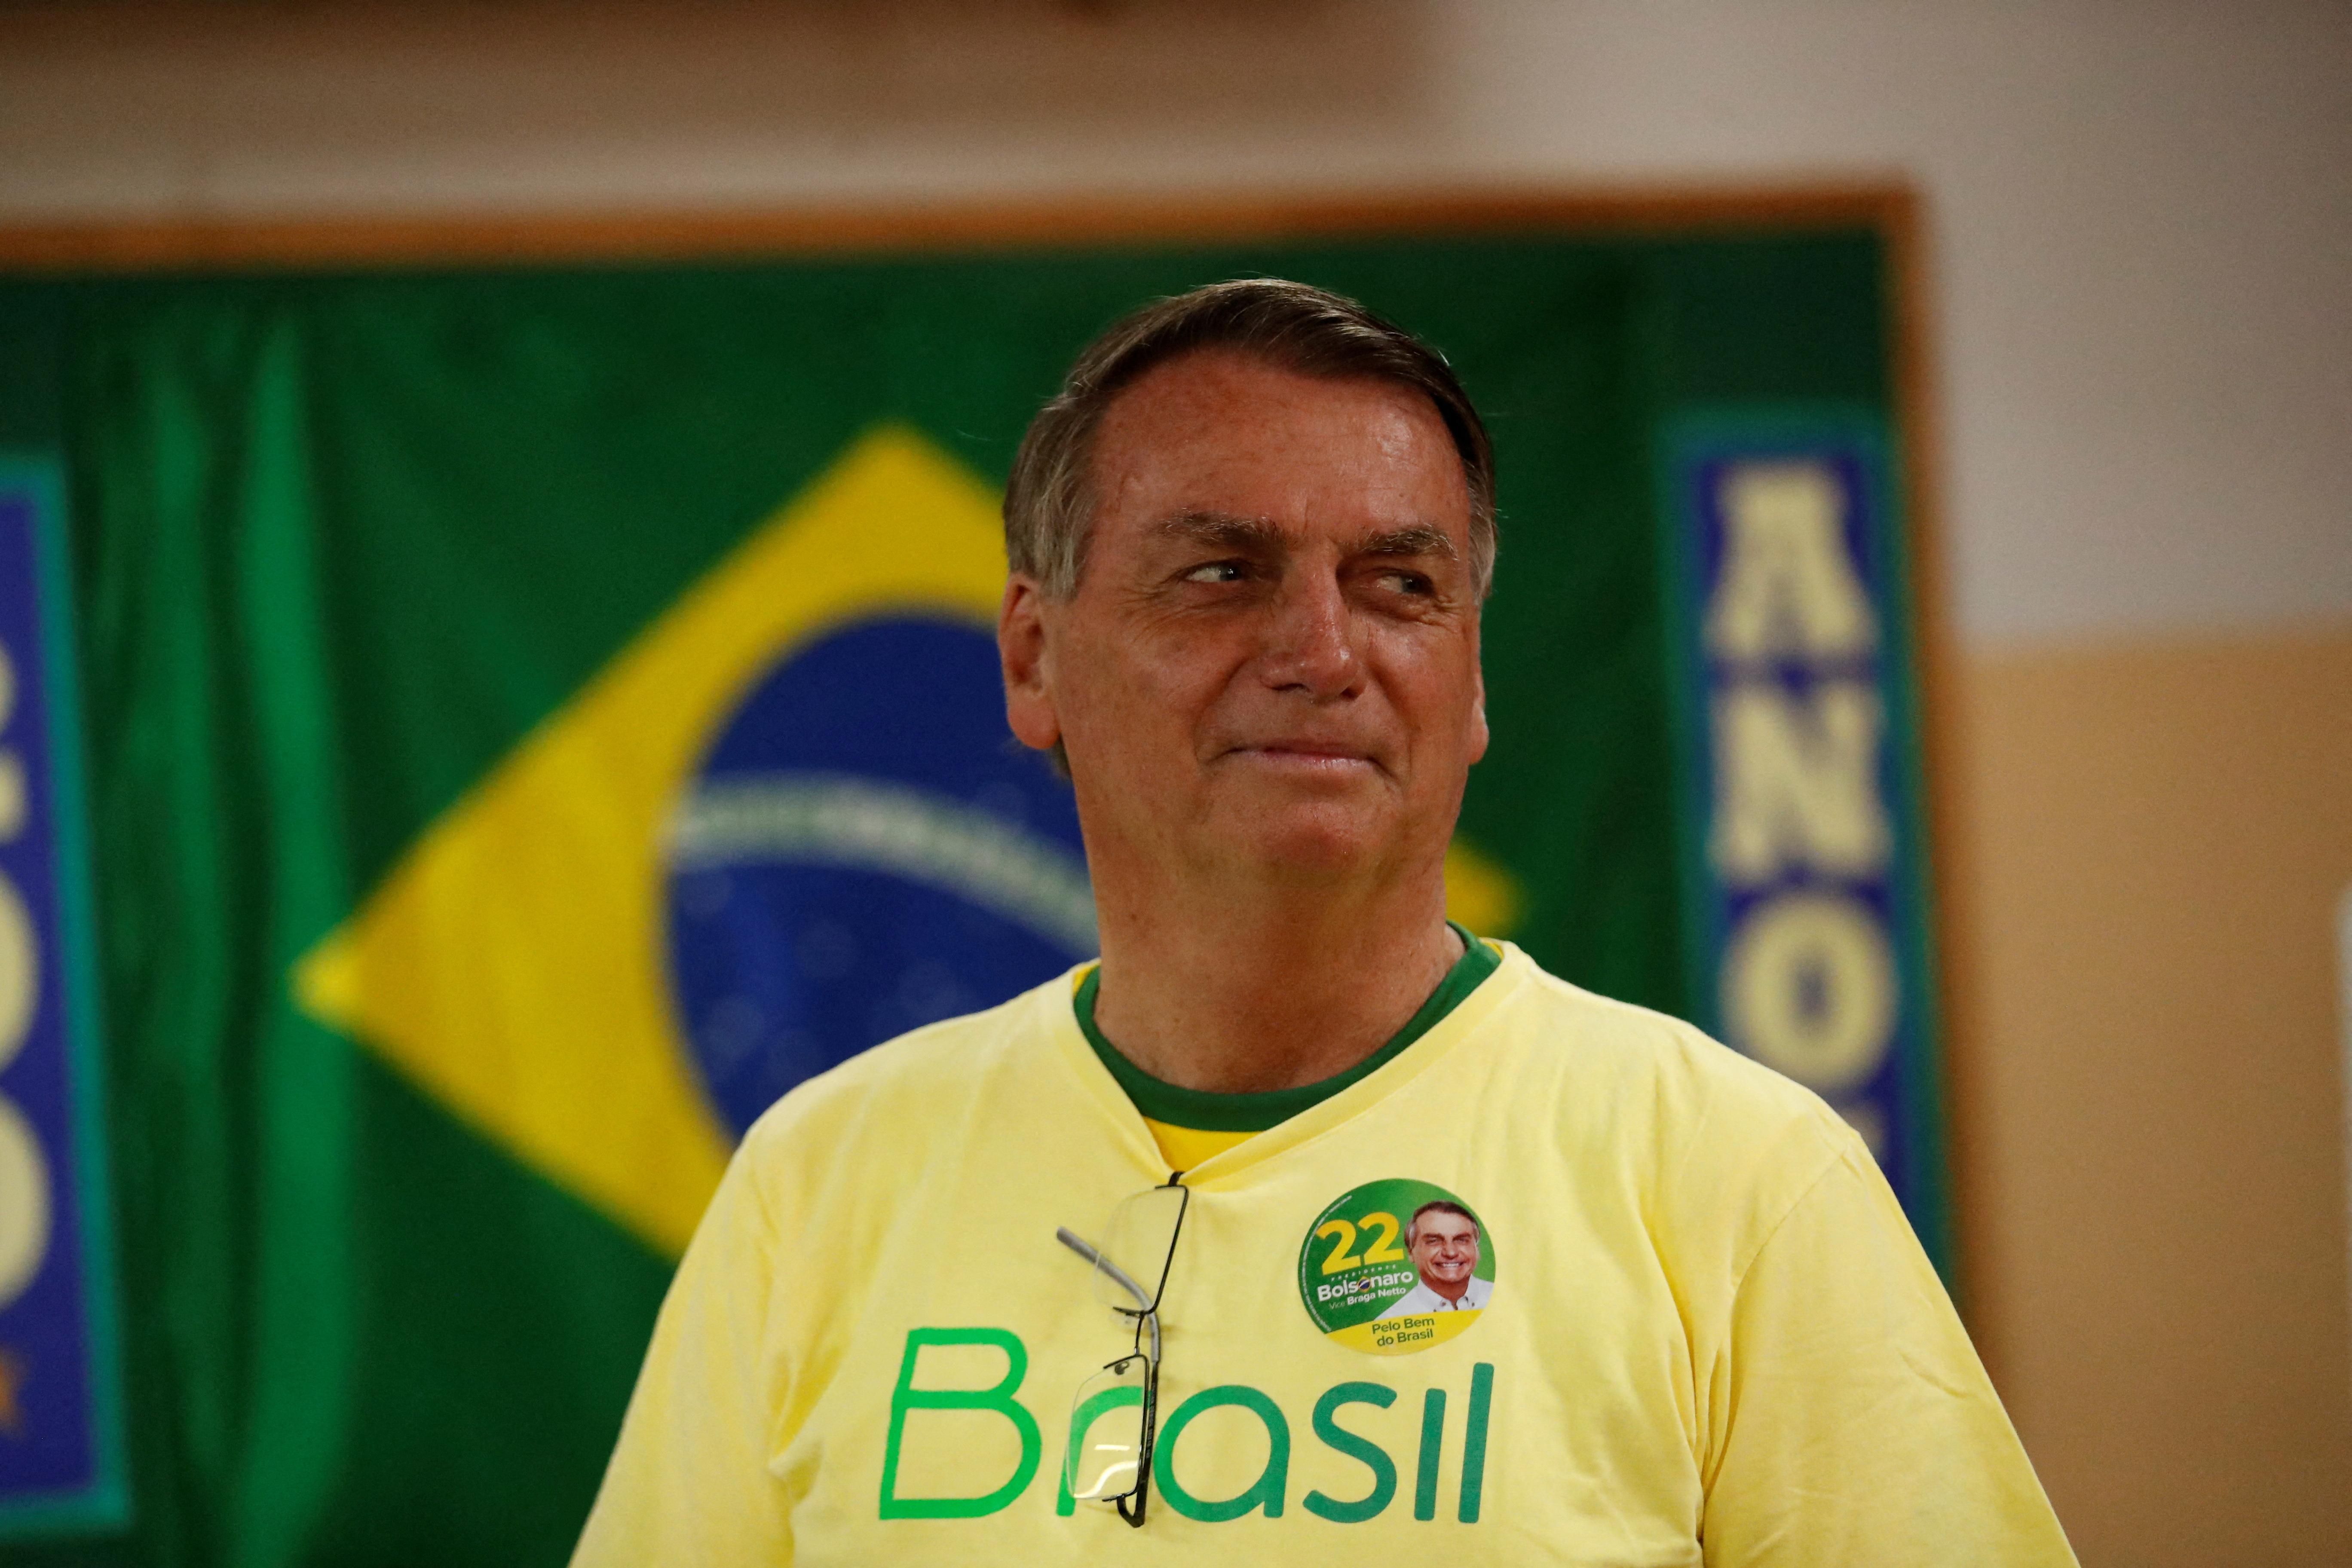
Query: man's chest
x=1304, y=1412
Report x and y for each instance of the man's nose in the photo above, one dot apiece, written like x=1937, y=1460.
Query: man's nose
x=1310, y=645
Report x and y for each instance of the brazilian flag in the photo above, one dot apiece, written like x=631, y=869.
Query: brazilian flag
x=535, y=717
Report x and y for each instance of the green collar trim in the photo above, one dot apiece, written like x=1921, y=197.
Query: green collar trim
x=1201, y=1111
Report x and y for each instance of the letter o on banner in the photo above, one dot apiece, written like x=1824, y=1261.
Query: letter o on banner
x=24, y=1173
x=1809, y=989
x=23, y=1204
x=20, y=972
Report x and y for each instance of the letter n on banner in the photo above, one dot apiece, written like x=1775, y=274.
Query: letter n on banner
x=61, y=1418
x=1803, y=829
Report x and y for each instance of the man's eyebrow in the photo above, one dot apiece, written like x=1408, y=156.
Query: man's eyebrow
x=1224, y=529
x=1421, y=539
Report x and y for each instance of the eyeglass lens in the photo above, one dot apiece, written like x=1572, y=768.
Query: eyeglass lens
x=1138, y=1249
x=1108, y=1433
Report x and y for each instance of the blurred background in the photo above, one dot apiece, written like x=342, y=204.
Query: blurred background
x=2123, y=233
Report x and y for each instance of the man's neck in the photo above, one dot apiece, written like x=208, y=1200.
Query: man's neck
x=1243, y=990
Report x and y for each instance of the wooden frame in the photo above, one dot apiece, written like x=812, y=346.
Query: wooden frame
x=208, y=245
x=1893, y=209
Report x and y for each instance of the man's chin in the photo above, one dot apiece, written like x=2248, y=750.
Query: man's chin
x=1312, y=850
x=1312, y=829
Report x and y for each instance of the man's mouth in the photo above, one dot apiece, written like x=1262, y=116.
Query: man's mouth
x=1307, y=755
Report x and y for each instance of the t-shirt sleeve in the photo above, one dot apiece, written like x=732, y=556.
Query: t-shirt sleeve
x=688, y=1483
x=1858, y=1426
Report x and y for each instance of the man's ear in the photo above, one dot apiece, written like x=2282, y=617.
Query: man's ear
x=1028, y=667
x=1479, y=718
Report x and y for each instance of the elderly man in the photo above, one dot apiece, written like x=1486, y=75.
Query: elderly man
x=1441, y=1240
x=1249, y=539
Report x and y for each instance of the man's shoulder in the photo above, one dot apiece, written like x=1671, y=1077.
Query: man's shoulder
x=921, y=1078
x=1586, y=1032
x=1658, y=1082
x=1414, y=1302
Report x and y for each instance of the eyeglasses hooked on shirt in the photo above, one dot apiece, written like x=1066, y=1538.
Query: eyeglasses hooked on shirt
x=1116, y=1414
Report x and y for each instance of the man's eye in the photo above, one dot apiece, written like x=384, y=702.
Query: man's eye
x=1215, y=571
x=1411, y=582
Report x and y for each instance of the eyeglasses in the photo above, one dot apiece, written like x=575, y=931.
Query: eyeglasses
x=1116, y=1411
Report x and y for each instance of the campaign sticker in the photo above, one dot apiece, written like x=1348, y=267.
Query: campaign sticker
x=1395, y=1267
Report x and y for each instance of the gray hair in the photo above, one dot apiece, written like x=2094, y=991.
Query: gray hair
x=1049, y=502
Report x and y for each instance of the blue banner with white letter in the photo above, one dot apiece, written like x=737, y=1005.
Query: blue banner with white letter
x=60, y=1463
x=1804, y=857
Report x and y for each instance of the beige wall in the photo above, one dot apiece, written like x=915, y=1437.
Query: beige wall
x=2142, y=209
x=2159, y=834
x=2141, y=221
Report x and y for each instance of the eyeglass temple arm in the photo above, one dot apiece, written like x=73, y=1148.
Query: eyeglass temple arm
x=1117, y=1276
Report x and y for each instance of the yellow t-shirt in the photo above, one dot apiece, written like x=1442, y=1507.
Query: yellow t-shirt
x=1708, y=1334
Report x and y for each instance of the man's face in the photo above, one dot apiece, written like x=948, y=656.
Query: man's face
x=1445, y=1250
x=1271, y=660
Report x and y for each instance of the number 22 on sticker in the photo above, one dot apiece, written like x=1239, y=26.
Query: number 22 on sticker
x=1383, y=1250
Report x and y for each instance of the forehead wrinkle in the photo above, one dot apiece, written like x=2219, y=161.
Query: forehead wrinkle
x=1227, y=529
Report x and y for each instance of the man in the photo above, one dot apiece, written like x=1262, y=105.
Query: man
x=1441, y=1240
x=1248, y=544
